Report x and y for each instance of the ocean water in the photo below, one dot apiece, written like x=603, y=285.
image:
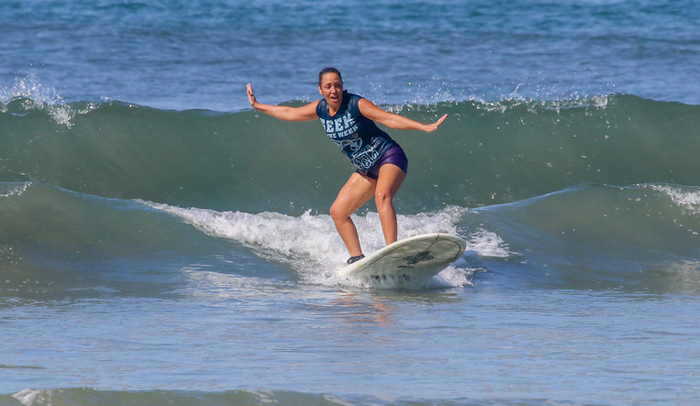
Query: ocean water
x=161, y=243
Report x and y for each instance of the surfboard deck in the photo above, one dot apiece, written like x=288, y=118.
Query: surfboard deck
x=408, y=261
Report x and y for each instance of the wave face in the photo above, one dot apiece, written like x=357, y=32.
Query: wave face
x=642, y=238
x=486, y=153
x=586, y=192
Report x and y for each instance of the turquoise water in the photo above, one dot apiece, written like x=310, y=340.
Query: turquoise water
x=161, y=243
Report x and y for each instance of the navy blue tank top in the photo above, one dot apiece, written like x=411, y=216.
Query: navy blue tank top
x=357, y=136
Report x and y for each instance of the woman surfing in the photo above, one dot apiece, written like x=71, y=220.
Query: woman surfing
x=349, y=121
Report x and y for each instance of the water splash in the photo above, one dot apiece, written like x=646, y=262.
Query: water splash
x=28, y=93
x=311, y=246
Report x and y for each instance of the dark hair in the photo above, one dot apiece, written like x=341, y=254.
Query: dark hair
x=329, y=70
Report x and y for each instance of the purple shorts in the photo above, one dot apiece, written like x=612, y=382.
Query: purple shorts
x=394, y=156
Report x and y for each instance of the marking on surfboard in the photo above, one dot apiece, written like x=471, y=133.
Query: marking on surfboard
x=416, y=259
x=419, y=257
x=383, y=277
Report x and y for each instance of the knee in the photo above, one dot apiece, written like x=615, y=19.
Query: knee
x=382, y=199
x=337, y=212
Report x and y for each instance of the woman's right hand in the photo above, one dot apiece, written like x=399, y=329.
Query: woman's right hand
x=287, y=113
x=251, y=96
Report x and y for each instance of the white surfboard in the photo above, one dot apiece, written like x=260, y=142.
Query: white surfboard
x=407, y=262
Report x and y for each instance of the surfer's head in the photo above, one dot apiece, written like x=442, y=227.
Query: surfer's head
x=330, y=85
x=328, y=70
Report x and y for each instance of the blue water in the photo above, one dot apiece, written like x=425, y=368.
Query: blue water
x=161, y=243
x=200, y=54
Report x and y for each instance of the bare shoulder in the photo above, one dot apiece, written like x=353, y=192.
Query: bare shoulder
x=370, y=110
x=311, y=106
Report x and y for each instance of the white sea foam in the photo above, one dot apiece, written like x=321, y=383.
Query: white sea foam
x=310, y=244
x=685, y=198
x=14, y=189
x=31, y=397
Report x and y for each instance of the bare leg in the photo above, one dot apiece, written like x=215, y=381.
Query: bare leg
x=356, y=192
x=391, y=178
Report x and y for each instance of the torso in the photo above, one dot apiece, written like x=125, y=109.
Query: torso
x=357, y=136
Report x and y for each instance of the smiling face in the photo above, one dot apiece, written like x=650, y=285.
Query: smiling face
x=331, y=88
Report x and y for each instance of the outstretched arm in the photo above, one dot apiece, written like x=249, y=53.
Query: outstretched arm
x=303, y=113
x=395, y=121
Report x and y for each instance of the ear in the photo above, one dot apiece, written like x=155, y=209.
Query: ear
x=320, y=91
